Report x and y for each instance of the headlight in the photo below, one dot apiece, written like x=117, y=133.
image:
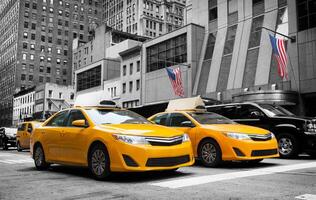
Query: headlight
x=238, y=136
x=272, y=135
x=130, y=139
x=185, y=138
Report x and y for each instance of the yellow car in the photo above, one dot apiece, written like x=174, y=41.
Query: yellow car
x=215, y=138
x=109, y=139
x=24, y=132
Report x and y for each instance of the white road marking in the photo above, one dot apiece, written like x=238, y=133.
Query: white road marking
x=306, y=197
x=10, y=158
x=185, y=182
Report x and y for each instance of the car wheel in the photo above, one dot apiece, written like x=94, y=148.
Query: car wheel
x=99, y=162
x=18, y=147
x=288, y=145
x=210, y=153
x=5, y=146
x=39, y=158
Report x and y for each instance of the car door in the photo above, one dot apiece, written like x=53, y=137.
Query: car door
x=52, y=135
x=181, y=122
x=74, y=139
x=20, y=133
x=27, y=134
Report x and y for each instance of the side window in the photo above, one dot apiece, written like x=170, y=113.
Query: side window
x=75, y=115
x=58, y=120
x=21, y=127
x=249, y=112
x=161, y=119
x=179, y=120
x=30, y=128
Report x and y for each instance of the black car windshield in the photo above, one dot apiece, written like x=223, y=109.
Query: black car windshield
x=210, y=118
x=108, y=116
x=274, y=110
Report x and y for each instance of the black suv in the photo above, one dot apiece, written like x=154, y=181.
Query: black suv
x=7, y=137
x=294, y=134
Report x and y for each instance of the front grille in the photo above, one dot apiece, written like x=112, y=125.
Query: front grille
x=167, y=162
x=266, y=152
x=261, y=137
x=163, y=141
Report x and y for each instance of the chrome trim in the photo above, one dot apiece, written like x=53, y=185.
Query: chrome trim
x=164, y=139
x=261, y=137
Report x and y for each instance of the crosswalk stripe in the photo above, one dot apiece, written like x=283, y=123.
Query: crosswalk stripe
x=17, y=161
x=185, y=182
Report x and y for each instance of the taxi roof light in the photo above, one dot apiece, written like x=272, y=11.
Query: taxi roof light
x=187, y=104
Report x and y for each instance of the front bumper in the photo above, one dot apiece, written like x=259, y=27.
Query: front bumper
x=249, y=149
x=125, y=157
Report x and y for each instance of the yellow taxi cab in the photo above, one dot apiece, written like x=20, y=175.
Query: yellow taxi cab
x=24, y=132
x=108, y=139
x=215, y=138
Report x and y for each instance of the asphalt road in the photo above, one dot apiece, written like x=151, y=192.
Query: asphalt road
x=271, y=179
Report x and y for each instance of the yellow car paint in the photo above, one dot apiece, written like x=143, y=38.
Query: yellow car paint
x=24, y=132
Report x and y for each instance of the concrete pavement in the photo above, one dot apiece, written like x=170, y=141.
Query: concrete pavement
x=283, y=179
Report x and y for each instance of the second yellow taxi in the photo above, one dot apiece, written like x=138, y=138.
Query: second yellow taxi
x=108, y=139
x=215, y=138
x=25, y=129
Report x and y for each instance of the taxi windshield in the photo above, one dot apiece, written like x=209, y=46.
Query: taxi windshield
x=108, y=116
x=210, y=118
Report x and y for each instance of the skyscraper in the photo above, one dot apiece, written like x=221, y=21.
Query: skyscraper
x=36, y=43
x=144, y=17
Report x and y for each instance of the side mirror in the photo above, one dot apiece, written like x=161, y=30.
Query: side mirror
x=79, y=123
x=187, y=124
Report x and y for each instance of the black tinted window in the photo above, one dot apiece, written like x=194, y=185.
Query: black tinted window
x=58, y=120
x=75, y=115
x=30, y=128
x=227, y=111
x=21, y=127
x=248, y=112
x=161, y=119
x=177, y=119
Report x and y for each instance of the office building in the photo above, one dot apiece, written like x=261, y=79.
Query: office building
x=36, y=43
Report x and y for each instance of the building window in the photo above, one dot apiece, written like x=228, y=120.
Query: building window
x=212, y=4
x=124, y=88
x=257, y=7
x=89, y=79
x=31, y=57
x=131, y=69
x=306, y=14
x=124, y=70
x=167, y=53
x=232, y=12
x=24, y=56
x=137, y=84
x=255, y=34
x=130, y=86
x=26, y=24
x=24, y=45
x=48, y=70
x=25, y=35
x=50, y=93
x=250, y=67
x=138, y=66
x=230, y=39
x=41, y=68
x=23, y=76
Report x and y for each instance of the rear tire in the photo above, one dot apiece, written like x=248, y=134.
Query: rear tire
x=99, y=162
x=18, y=147
x=288, y=145
x=39, y=158
x=210, y=153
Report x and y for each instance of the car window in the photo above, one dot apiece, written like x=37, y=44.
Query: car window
x=75, y=115
x=177, y=119
x=160, y=119
x=248, y=112
x=210, y=118
x=21, y=127
x=227, y=111
x=59, y=119
x=29, y=128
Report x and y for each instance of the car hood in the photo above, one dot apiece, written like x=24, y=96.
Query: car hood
x=236, y=128
x=149, y=130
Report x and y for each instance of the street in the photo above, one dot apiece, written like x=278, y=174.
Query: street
x=271, y=179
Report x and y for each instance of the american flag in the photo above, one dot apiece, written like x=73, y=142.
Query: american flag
x=176, y=80
x=279, y=52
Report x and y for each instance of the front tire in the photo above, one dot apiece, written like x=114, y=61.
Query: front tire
x=39, y=158
x=99, y=162
x=210, y=153
x=18, y=147
x=288, y=145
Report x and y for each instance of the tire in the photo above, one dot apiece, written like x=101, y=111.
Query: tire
x=99, y=162
x=210, y=153
x=39, y=158
x=288, y=145
x=18, y=147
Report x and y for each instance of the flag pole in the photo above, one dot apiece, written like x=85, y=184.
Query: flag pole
x=293, y=38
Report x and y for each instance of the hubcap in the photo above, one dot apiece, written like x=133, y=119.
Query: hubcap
x=285, y=146
x=208, y=153
x=39, y=156
x=98, y=162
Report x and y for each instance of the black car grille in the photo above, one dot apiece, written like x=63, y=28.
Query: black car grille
x=266, y=152
x=167, y=162
x=162, y=141
x=261, y=137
